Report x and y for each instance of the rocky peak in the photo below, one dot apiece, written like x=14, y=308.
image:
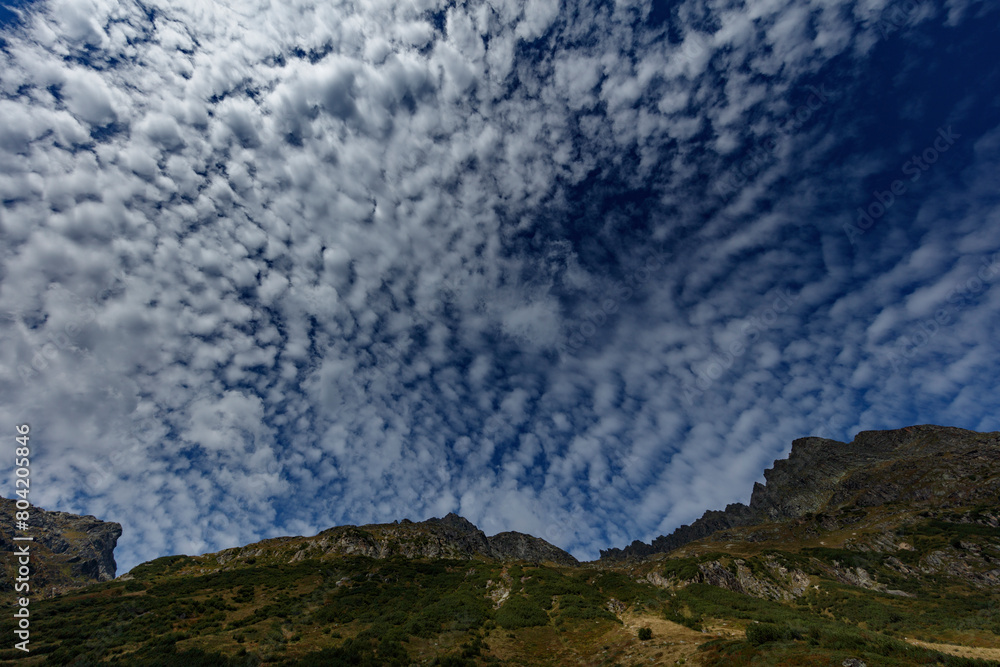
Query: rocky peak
x=451, y=537
x=512, y=545
x=916, y=464
x=68, y=550
x=456, y=522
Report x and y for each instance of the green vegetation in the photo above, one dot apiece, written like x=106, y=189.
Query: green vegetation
x=362, y=653
x=777, y=631
x=622, y=587
x=686, y=569
x=762, y=633
x=679, y=616
x=348, y=610
x=961, y=530
x=359, y=611
x=520, y=612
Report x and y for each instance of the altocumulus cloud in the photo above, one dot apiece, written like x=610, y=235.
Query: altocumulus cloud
x=270, y=267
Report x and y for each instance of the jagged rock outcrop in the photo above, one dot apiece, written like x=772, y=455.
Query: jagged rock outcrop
x=736, y=514
x=779, y=583
x=512, y=545
x=740, y=578
x=68, y=551
x=450, y=537
x=918, y=465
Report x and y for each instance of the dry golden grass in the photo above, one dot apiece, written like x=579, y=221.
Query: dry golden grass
x=960, y=651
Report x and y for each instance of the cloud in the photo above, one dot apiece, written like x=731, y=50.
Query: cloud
x=266, y=269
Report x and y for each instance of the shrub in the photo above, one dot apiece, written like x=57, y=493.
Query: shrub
x=762, y=633
x=681, y=568
x=519, y=612
x=623, y=587
x=577, y=606
x=645, y=633
x=676, y=617
x=244, y=594
x=386, y=653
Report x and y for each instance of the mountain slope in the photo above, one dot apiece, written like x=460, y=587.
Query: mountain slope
x=883, y=551
x=922, y=466
x=451, y=537
x=67, y=551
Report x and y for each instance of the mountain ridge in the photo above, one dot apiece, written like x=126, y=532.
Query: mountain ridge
x=67, y=550
x=817, y=473
x=452, y=536
x=881, y=551
x=821, y=473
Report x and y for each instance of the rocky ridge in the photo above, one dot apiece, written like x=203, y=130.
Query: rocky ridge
x=921, y=466
x=450, y=537
x=823, y=485
x=778, y=583
x=68, y=551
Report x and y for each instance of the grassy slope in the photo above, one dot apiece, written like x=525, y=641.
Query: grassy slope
x=360, y=611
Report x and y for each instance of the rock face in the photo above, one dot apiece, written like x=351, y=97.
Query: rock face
x=509, y=545
x=740, y=578
x=918, y=465
x=68, y=551
x=451, y=537
x=518, y=546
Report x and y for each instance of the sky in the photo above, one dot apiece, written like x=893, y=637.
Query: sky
x=578, y=269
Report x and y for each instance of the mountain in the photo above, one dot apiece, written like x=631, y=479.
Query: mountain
x=881, y=551
x=920, y=466
x=67, y=551
x=452, y=537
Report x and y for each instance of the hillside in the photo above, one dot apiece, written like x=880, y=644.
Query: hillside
x=913, y=467
x=883, y=551
x=451, y=537
x=68, y=551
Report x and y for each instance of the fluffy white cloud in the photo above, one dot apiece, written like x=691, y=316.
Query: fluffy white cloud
x=268, y=268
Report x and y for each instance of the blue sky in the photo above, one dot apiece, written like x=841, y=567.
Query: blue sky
x=582, y=270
